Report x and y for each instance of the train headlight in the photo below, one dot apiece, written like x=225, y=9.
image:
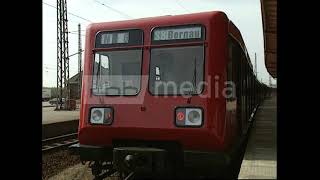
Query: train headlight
x=101, y=116
x=194, y=116
x=188, y=117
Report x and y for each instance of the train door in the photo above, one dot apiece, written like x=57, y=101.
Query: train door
x=237, y=81
x=242, y=86
x=248, y=91
x=243, y=90
x=244, y=93
x=231, y=100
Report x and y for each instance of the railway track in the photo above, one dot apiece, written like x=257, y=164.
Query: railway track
x=59, y=142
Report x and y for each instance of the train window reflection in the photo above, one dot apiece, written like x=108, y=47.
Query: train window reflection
x=117, y=72
x=177, y=70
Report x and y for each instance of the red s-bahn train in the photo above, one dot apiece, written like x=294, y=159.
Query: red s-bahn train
x=164, y=94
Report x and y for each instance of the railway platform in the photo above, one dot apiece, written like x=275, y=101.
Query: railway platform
x=57, y=123
x=260, y=158
x=49, y=115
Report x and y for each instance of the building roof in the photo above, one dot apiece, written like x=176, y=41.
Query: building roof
x=269, y=18
x=75, y=78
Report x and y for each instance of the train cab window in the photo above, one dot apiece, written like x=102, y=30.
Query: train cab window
x=177, y=70
x=117, y=72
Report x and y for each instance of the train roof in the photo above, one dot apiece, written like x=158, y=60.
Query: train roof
x=172, y=19
x=162, y=19
x=235, y=32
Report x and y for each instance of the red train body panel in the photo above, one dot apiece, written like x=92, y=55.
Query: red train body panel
x=156, y=123
x=145, y=117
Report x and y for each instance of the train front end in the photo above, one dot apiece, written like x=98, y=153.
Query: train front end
x=148, y=99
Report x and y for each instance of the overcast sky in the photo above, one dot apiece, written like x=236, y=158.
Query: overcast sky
x=246, y=15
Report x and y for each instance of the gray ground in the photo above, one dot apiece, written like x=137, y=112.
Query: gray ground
x=51, y=116
x=260, y=159
x=76, y=172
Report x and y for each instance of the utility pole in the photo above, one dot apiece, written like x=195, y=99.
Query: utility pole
x=270, y=81
x=79, y=61
x=62, y=54
x=255, y=64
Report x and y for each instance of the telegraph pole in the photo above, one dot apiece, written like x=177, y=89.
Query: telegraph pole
x=79, y=60
x=62, y=53
x=270, y=81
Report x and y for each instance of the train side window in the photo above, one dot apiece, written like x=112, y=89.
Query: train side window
x=101, y=70
x=244, y=87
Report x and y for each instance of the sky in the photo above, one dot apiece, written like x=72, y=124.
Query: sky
x=245, y=14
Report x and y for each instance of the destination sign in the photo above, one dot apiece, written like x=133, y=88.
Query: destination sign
x=115, y=38
x=177, y=33
x=120, y=38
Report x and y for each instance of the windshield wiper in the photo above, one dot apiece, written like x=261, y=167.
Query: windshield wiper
x=195, y=75
x=98, y=72
x=194, y=79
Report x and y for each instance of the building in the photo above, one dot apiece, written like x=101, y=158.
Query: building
x=75, y=91
x=46, y=94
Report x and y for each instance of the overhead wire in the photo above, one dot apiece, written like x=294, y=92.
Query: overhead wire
x=113, y=9
x=68, y=12
x=177, y=1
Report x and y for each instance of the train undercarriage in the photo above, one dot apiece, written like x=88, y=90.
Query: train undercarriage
x=158, y=160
